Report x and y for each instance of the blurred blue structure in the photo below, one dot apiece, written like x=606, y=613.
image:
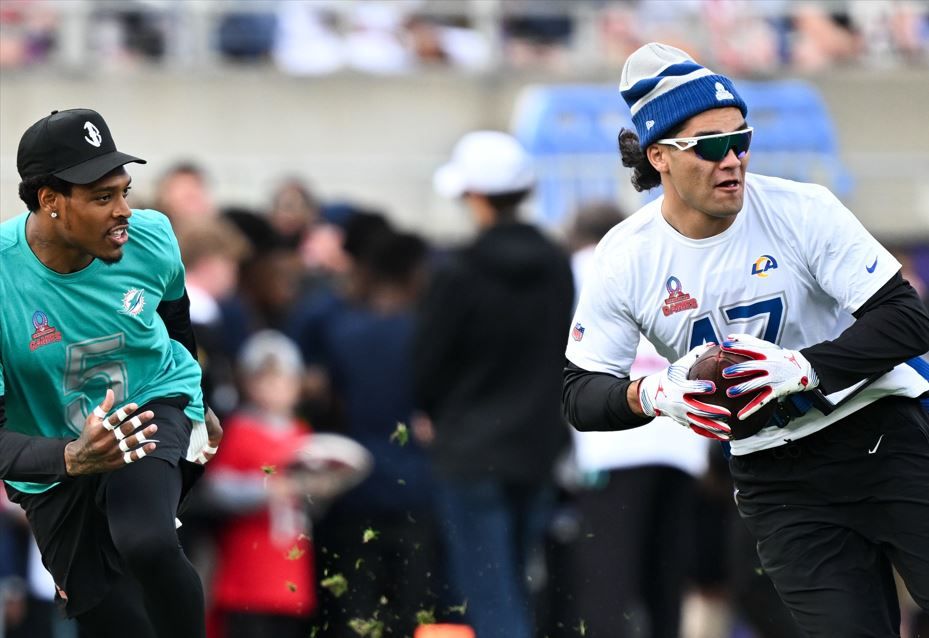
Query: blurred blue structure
x=571, y=130
x=246, y=35
x=795, y=136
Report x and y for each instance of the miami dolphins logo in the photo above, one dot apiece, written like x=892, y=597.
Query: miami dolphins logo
x=133, y=302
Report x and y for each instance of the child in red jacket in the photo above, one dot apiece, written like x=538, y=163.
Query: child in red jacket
x=264, y=579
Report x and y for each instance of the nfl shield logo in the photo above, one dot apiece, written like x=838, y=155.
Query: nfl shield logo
x=577, y=332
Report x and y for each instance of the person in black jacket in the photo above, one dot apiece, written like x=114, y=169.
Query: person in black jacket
x=488, y=359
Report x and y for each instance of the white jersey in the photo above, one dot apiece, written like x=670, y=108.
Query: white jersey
x=791, y=269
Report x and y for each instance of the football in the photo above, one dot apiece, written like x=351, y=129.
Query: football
x=329, y=464
x=709, y=367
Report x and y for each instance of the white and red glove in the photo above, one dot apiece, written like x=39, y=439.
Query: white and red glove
x=670, y=393
x=774, y=372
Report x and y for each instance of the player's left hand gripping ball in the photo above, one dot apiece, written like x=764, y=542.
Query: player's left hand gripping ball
x=670, y=393
x=773, y=372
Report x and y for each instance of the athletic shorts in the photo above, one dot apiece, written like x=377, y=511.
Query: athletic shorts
x=69, y=521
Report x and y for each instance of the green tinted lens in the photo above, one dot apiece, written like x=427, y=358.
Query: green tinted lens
x=714, y=149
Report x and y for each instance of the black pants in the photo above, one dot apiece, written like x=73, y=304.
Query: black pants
x=833, y=512
x=243, y=625
x=633, y=553
x=109, y=540
x=400, y=567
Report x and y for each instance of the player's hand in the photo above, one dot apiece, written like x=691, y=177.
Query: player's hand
x=109, y=441
x=214, y=433
x=670, y=393
x=774, y=372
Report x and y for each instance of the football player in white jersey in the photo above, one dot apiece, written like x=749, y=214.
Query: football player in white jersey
x=780, y=271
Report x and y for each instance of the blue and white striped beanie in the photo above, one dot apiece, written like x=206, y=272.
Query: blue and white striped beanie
x=664, y=87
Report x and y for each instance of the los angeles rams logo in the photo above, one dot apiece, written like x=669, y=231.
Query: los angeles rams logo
x=763, y=264
x=133, y=302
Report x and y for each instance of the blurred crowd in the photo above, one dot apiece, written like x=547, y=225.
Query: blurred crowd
x=306, y=314
x=317, y=37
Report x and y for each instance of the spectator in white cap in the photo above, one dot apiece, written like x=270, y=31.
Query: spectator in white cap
x=490, y=162
x=831, y=478
x=487, y=364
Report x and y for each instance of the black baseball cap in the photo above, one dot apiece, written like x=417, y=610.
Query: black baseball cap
x=74, y=145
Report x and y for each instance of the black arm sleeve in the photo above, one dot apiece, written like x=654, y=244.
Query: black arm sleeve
x=596, y=402
x=176, y=315
x=30, y=458
x=892, y=327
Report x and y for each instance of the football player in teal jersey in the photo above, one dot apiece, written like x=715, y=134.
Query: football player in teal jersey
x=95, y=313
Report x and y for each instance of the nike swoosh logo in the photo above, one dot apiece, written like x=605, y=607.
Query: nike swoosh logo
x=876, y=445
x=872, y=266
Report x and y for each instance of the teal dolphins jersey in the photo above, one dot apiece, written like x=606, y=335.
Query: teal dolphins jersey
x=64, y=339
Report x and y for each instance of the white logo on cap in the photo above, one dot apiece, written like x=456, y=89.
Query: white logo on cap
x=649, y=124
x=93, y=136
x=722, y=93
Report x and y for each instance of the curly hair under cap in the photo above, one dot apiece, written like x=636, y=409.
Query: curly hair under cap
x=644, y=175
x=30, y=186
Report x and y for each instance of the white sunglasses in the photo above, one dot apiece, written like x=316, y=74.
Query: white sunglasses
x=716, y=146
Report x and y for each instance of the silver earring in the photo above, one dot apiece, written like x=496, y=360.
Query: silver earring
x=54, y=215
